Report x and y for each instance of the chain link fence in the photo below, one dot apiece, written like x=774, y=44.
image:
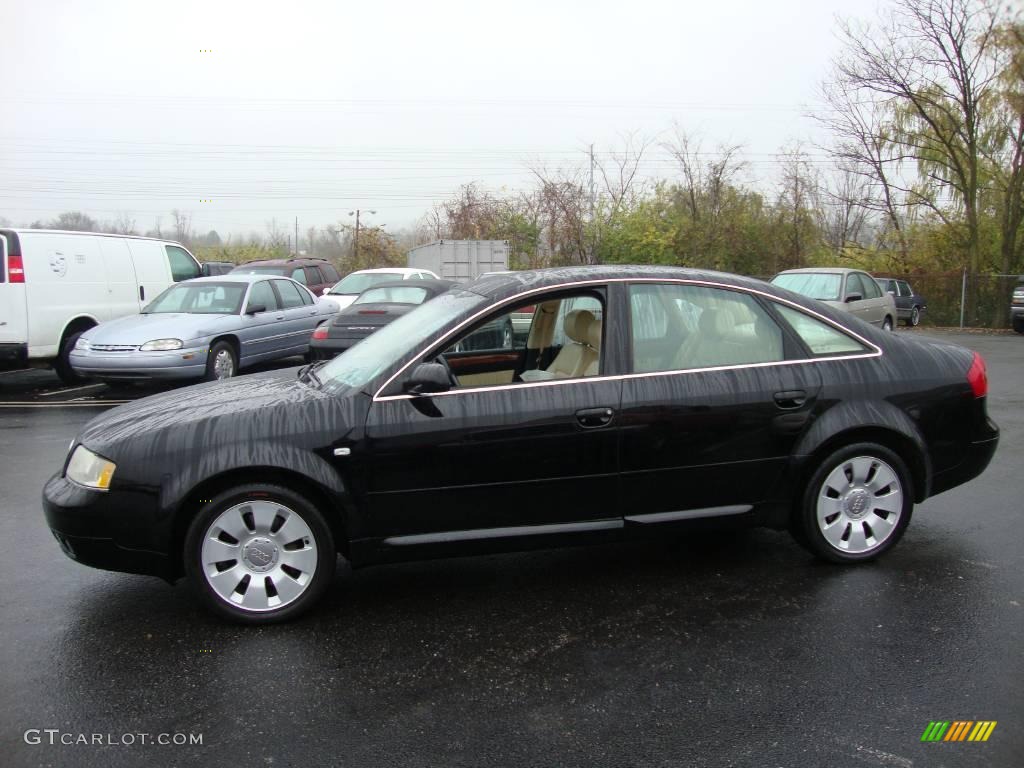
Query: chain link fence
x=955, y=299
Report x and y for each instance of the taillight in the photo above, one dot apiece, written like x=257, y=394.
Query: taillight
x=15, y=268
x=977, y=377
x=320, y=333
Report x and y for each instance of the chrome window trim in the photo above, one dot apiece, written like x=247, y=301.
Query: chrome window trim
x=876, y=350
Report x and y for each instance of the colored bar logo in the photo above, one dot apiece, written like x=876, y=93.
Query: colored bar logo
x=959, y=730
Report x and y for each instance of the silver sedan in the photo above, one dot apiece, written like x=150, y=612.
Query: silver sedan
x=208, y=328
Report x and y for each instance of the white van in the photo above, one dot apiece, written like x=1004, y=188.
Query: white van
x=55, y=285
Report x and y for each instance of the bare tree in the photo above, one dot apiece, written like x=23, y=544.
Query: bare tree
x=124, y=224
x=182, y=226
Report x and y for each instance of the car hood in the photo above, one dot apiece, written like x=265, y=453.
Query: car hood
x=138, y=329
x=262, y=402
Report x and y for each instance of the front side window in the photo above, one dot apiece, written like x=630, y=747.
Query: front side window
x=871, y=289
x=854, y=286
x=679, y=327
x=183, y=266
x=820, y=337
x=330, y=273
x=262, y=295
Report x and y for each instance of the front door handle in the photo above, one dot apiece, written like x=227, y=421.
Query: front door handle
x=279, y=317
x=790, y=398
x=593, y=418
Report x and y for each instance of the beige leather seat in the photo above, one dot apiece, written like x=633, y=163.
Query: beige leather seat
x=577, y=355
x=594, y=342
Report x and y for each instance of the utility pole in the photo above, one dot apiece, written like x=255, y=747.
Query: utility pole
x=591, y=182
x=356, y=212
x=296, y=235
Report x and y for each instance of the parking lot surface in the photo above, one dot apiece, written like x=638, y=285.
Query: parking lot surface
x=717, y=650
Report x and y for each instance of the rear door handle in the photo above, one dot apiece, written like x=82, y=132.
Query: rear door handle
x=593, y=418
x=790, y=398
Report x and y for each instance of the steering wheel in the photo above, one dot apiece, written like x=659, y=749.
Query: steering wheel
x=448, y=369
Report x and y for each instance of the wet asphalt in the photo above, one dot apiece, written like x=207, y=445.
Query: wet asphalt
x=717, y=650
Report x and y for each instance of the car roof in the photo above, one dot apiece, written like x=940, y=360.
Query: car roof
x=391, y=270
x=822, y=270
x=231, y=277
x=296, y=261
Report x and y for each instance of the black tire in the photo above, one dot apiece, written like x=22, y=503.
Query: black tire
x=915, y=317
x=855, y=515
x=319, y=540
x=62, y=365
x=887, y=323
x=219, y=352
x=1018, y=324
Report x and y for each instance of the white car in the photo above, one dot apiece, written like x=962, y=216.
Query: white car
x=345, y=291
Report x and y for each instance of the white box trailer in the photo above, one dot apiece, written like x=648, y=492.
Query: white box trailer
x=55, y=285
x=462, y=260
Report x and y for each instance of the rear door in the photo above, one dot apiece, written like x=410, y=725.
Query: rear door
x=299, y=318
x=13, y=317
x=122, y=286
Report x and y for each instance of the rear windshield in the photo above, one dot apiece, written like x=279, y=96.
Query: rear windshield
x=396, y=294
x=358, y=282
x=823, y=286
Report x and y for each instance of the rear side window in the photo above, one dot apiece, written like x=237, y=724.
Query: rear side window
x=680, y=327
x=330, y=273
x=262, y=294
x=299, y=276
x=820, y=337
x=905, y=289
x=289, y=294
x=183, y=266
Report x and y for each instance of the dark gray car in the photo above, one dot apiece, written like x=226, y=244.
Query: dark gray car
x=909, y=303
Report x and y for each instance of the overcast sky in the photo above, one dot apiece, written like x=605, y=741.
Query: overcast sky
x=311, y=109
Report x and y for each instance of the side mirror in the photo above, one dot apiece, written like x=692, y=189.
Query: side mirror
x=427, y=378
x=853, y=297
x=255, y=308
x=325, y=291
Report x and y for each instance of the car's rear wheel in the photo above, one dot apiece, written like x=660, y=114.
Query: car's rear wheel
x=221, y=362
x=915, y=317
x=260, y=554
x=62, y=365
x=887, y=323
x=857, y=504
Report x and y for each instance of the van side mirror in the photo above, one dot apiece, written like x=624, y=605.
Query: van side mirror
x=427, y=378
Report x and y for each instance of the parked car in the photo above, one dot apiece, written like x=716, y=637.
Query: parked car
x=318, y=275
x=909, y=303
x=214, y=268
x=1017, y=306
x=695, y=395
x=850, y=290
x=56, y=285
x=346, y=291
x=372, y=310
x=208, y=328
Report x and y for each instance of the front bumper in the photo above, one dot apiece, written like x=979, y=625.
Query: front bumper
x=104, y=529
x=140, y=366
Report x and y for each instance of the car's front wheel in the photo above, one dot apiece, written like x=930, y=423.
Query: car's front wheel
x=857, y=504
x=222, y=362
x=915, y=317
x=260, y=553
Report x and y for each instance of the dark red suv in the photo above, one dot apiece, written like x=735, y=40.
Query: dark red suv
x=316, y=274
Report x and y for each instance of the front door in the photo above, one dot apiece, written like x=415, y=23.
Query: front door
x=534, y=456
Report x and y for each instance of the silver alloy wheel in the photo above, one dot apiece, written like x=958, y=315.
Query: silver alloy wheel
x=223, y=364
x=259, y=555
x=915, y=316
x=859, y=504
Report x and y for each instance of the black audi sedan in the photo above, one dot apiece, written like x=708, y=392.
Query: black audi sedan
x=372, y=310
x=662, y=396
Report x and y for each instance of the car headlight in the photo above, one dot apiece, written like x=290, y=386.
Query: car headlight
x=82, y=344
x=90, y=470
x=161, y=345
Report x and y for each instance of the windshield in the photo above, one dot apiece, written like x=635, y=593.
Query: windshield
x=199, y=299
x=823, y=286
x=360, y=364
x=358, y=282
x=396, y=294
